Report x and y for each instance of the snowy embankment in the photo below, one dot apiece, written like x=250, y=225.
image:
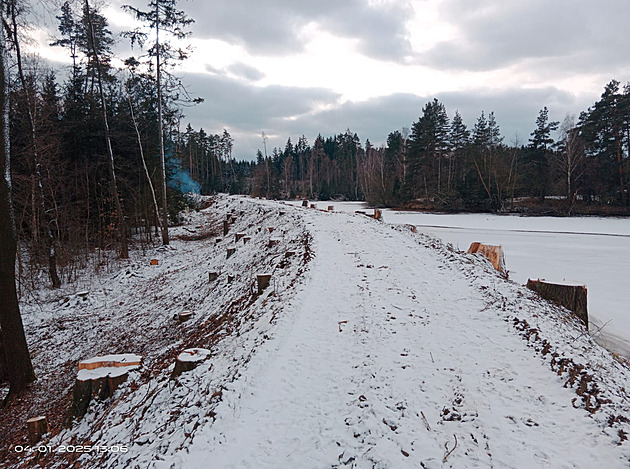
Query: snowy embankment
x=391, y=352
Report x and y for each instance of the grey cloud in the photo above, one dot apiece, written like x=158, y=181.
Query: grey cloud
x=245, y=71
x=496, y=34
x=246, y=111
x=274, y=26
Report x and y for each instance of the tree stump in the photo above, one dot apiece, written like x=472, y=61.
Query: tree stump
x=99, y=377
x=331, y=208
x=313, y=206
x=305, y=203
x=218, y=240
x=493, y=253
x=230, y=278
x=572, y=296
x=246, y=239
x=154, y=262
x=262, y=281
x=226, y=227
x=212, y=276
x=378, y=215
x=37, y=426
x=272, y=242
x=188, y=360
x=271, y=228
x=184, y=316
x=238, y=236
x=230, y=251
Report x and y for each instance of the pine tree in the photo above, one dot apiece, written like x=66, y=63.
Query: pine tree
x=162, y=16
x=538, y=157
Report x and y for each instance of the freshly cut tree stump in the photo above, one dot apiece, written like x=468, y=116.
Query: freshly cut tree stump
x=154, y=262
x=99, y=377
x=570, y=295
x=111, y=361
x=238, y=236
x=37, y=426
x=184, y=316
x=188, y=360
x=230, y=251
x=262, y=281
x=313, y=206
x=378, y=215
x=412, y=228
x=271, y=228
x=305, y=203
x=493, y=253
x=212, y=276
x=331, y=208
x=226, y=227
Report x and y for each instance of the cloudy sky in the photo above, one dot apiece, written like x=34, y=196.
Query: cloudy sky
x=288, y=67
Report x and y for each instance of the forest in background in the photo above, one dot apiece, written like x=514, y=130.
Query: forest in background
x=438, y=163
x=95, y=153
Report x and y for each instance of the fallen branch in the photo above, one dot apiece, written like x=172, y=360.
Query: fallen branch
x=448, y=453
x=426, y=422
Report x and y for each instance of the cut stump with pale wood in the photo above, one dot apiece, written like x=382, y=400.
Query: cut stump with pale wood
x=188, y=360
x=37, y=426
x=493, y=253
x=99, y=377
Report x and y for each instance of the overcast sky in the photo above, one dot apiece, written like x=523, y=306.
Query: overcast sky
x=289, y=67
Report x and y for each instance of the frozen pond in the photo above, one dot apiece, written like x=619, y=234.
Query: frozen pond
x=589, y=250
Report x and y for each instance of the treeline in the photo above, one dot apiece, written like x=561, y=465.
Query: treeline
x=98, y=158
x=438, y=162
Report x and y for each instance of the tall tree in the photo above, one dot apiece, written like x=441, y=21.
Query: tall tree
x=570, y=157
x=98, y=48
x=429, y=144
x=16, y=366
x=15, y=9
x=540, y=145
x=162, y=17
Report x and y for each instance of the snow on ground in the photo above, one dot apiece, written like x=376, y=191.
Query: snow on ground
x=394, y=353
x=391, y=351
x=593, y=251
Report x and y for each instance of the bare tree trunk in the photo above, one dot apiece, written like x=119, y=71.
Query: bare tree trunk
x=17, y=366
x=158, y=71
x=38, y=189
x=122, y=232
x=144, y=165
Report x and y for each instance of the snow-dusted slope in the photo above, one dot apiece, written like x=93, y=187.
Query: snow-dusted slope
x=390, y=352
x=395, y=352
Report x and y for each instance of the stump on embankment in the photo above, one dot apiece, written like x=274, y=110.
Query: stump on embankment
x=570, y=295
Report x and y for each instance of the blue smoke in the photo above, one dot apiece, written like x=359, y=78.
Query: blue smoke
x=180, y=179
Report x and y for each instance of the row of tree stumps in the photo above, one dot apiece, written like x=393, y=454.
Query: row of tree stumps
x=569, y=295
x=99, y=377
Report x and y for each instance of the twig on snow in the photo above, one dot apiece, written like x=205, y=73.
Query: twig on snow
x=426, y=422
x=448, y=453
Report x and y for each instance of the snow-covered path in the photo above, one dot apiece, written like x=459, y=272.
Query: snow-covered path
x=392, y=356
